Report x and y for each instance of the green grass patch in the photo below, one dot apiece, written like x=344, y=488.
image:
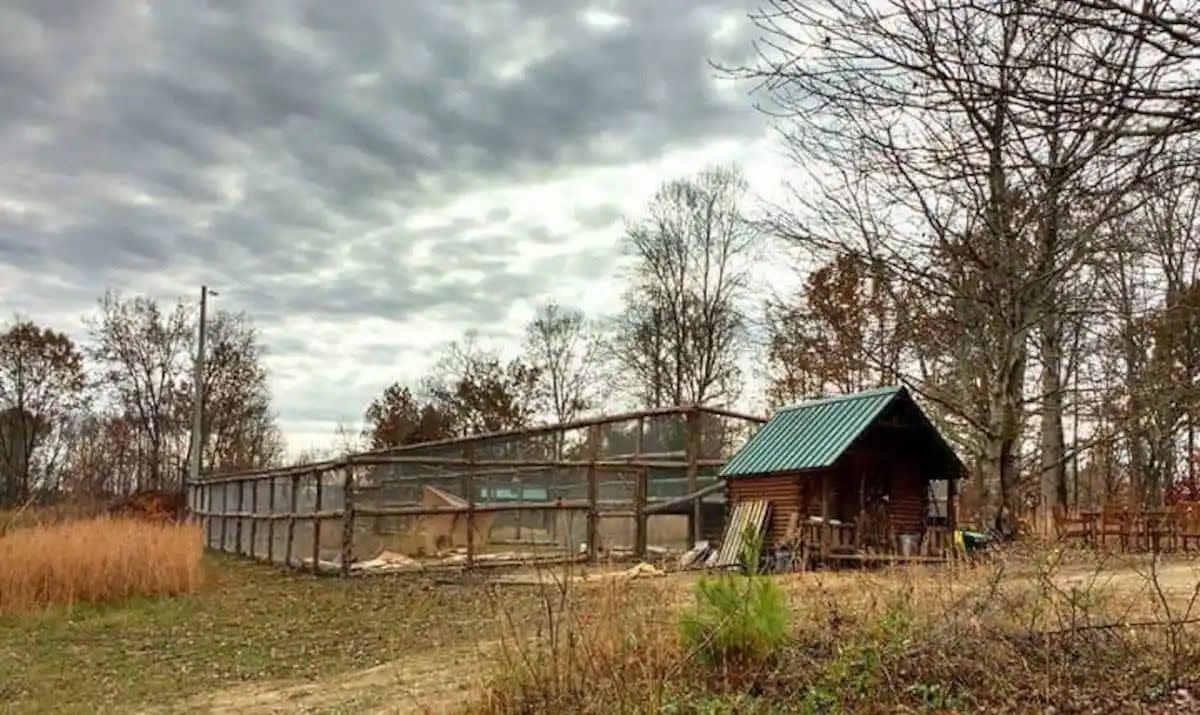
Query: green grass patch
x=250, y=622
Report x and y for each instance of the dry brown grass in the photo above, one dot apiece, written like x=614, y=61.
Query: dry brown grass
x=95, y=560
x=27, y=515
x=1019, y=634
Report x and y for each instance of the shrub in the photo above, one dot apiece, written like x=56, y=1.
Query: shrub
x=738, y=620
x=97, y=560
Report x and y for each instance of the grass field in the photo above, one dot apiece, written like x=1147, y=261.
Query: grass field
x=258, y=639
x=250, y=622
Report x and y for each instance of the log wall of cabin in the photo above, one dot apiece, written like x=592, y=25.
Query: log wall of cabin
x=784, y=491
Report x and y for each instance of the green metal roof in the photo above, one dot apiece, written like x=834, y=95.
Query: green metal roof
x=810, y=435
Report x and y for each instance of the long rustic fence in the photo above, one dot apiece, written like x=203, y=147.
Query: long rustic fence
x=621, y=484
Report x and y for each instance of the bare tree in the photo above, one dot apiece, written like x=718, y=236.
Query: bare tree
x=683, y=326
x=239, y=426
x=42, y=385
x=959, y=144
x=143, y=353
x=145, y=356
x=564, y=350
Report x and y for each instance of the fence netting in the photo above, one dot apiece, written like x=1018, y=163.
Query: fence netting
x=621, y=486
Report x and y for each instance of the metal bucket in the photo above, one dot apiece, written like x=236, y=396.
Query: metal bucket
x=909, y=544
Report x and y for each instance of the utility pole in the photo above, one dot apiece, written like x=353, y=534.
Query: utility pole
x=198, y=405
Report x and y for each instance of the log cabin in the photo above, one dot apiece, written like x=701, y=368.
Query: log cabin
x=858, y=477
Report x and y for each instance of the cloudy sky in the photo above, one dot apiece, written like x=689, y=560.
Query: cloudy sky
x=366, y=180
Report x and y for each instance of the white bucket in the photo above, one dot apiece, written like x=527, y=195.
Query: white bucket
x=909, y=544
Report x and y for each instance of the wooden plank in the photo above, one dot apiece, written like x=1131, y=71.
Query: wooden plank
x=746, y=514
x=540, y=464
x=722, y=412
x=479, y=508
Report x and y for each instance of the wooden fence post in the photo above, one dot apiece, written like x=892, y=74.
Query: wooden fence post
x=237, y=539
x=639, y=511
x=641, y=494
x=271, y=520
x=224, y=512
x=347, y=520
x=593, y=512
x=291, y=520
x=208, y=519
x=253, y=517
x=316, y=526
x=468, y=488
x=693, y=474
x=520, y=500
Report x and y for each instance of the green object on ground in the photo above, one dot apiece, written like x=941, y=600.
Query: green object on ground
x=973, y=540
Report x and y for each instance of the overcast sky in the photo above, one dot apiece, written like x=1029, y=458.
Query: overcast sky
x=366, y=180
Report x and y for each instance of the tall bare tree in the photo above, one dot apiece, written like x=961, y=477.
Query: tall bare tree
x=144, y=357
x=239, y=426
x=683, y=326
x=564, y=350
x=42, y=385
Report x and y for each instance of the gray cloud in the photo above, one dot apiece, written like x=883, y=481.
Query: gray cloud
x=279, y=150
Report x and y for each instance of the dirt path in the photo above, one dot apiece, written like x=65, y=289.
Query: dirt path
x=1178, y=579
x=435, y=681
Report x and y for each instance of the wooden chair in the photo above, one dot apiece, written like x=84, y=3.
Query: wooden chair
x=1114, y=521
x=1155, y=532
x=1067, y=526
x=1187, y=524
x=937, y=541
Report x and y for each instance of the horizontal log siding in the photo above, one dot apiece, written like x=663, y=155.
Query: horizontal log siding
x=907, y=503
x=782, y=490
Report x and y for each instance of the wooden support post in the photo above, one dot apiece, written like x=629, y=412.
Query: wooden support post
x=468, y=488
x=293, y=498
x=826, y=532
x=208, y=519
x=241, y=497
x=520, y=499
x=593, y=513
x=951, y=504
x=639, y=509
x=348, y=520
x=271, y=522
x=253, y=521
x=224, y=512
x=693, y=471
x=316, y=526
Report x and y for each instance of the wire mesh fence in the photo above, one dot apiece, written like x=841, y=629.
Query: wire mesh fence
x=626, y=484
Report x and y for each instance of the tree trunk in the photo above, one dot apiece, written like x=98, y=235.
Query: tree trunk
x=1054, y=468
x=1003, y=436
